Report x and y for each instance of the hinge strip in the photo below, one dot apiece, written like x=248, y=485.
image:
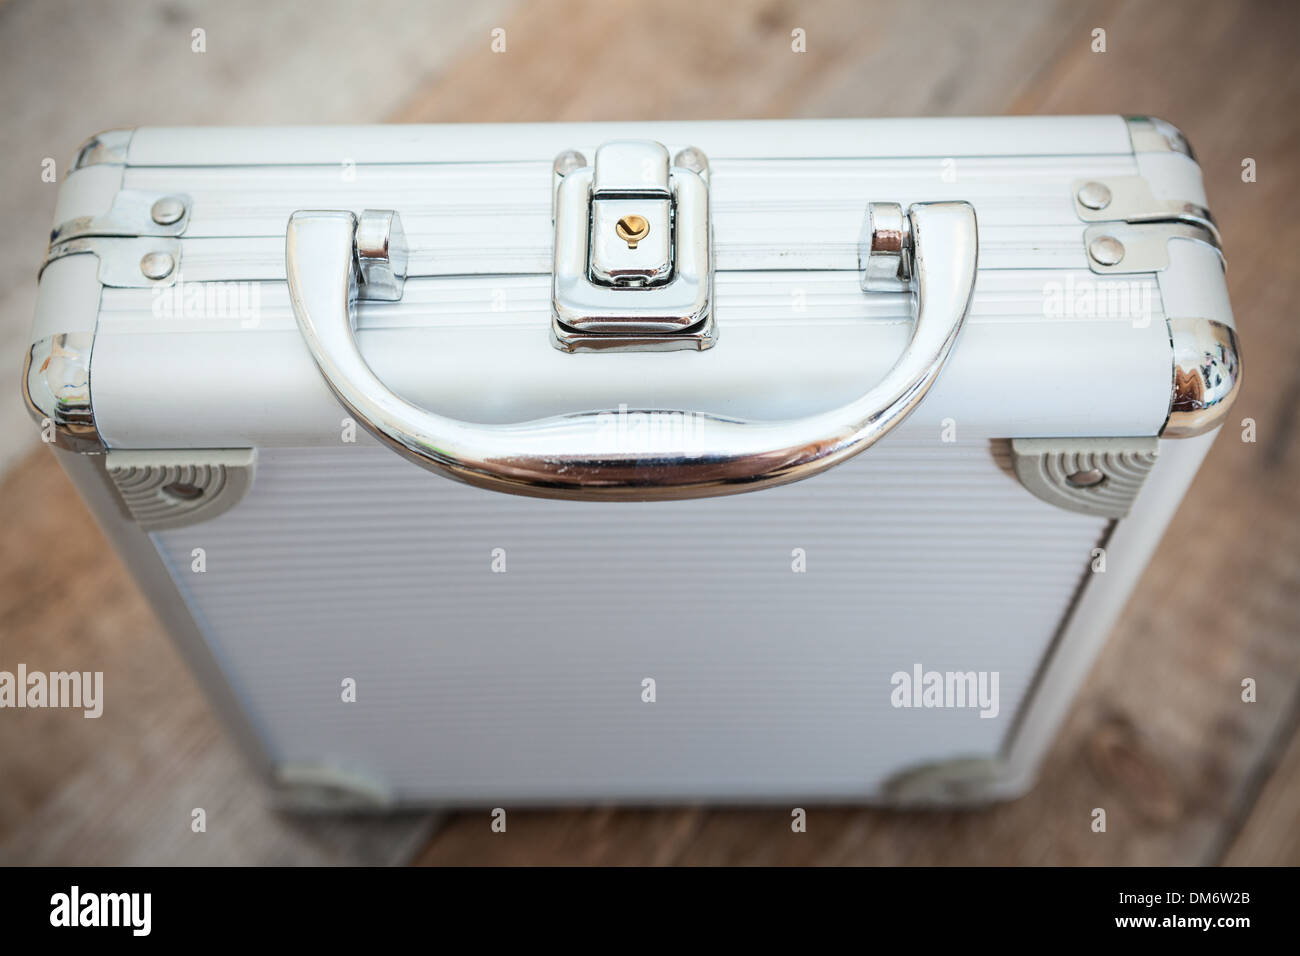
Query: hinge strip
x=134, y=213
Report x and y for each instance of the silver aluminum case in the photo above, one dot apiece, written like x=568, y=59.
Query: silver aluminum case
x=1005, y=380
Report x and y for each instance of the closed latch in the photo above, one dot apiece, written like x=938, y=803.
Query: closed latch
x=633, y=263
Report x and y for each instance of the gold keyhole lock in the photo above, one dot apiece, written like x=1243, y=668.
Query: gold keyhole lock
x=632, y=229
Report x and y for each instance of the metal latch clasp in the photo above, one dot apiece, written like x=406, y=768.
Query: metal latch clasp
x=631, y=215
x=633, y=266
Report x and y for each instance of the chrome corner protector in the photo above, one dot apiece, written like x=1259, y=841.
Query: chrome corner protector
x=56, y=390
x=1207, y=374
x=1150, y=134
x=108, y=146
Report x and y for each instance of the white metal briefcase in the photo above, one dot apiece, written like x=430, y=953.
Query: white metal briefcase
x=639, y=462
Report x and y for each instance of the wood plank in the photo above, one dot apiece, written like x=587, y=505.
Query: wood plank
x=602, y=836
x=681, y=59
x=1270, y=835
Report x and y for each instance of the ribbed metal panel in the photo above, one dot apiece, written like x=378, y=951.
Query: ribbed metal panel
x=482, y=686
x=758, y=300
x=494, y=218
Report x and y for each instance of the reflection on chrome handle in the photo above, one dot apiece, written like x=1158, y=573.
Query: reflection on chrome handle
x=631, y=455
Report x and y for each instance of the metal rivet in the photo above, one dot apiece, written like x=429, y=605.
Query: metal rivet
x=1106, y=250
x=167, y=210
x=1094, y=195
x=157, y=265
x=692, y=159
x=1088, y=478
x=183, y=491
x=568, y=161
x=632, y=229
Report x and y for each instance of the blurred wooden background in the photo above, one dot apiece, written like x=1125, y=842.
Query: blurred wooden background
x=1188, y=773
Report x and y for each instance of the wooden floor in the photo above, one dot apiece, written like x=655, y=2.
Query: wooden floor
x=1188, y=773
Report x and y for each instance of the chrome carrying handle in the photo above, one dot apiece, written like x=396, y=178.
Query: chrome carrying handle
x=615, y=455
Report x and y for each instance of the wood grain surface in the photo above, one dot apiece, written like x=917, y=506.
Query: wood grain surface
x=1188, y=772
